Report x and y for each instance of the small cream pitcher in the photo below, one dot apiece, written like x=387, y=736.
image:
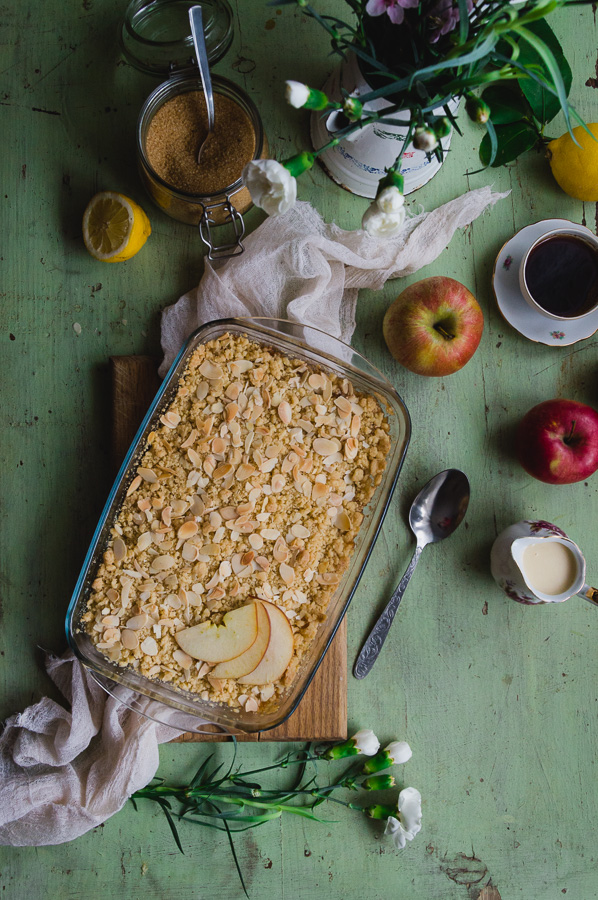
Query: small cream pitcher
x=535, y=562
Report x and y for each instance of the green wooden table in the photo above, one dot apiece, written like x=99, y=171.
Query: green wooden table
x=498, y=701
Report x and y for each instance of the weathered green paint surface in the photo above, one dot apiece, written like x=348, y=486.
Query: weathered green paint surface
x=499, y=702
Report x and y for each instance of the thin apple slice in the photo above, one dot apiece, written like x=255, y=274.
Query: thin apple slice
x=218, y=643
x=248, y=661
x=278, y=653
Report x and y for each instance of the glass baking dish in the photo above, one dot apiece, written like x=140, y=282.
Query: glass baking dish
x=163, y=701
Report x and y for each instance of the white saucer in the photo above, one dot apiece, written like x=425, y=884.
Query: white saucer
x=511, y=302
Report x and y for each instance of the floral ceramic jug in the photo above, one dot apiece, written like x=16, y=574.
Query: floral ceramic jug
x=525, y=574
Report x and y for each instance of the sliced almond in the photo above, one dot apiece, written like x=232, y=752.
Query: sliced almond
x=287, y=573
x=344, y=407
x=129, y=639
x=256, y=541
x=183, y=659
x=262, y=562
x=240, y=366
x=194, y=458
x=299, y=530
x=342, y=521
x=136, y=623
x=278, y=483
x=324, y=446
x=134, y=485
x=270, y=534
x=202, y=390
x=149, y=647
x=162, y=563
x=218, y=446
x=245, y=470
x=211, y=371
x=233, y=390
x=148, y=475
x=230, y=411
x=222, y=471
x=247, y=558
x=144, y=540
x=351, y=448
x=284, y=412
x=252, y=705
x=197, y=505
x=280, y=551
x=187, y=530
x=171, y=419
x=119, y=548
x=328, y=578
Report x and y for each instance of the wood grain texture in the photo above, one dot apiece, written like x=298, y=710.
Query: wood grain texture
x=322, y=713
x=498, y=701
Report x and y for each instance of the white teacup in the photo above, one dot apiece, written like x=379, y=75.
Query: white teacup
x=560, y=304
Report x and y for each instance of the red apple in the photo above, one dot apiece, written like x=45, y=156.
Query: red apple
x=434, y=327
x=557, y=441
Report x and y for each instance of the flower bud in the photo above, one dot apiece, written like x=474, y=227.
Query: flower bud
x=364, y=741
x=442, y=128
x=303, y=97
x=379, y=811
x=392, y=179
x=425, y=139
x=296, y=165
x=379, y=782
x=477, y=109
x=390, y=200
x=353, y=108
x=397, y=752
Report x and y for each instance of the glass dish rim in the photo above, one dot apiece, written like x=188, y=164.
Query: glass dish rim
x=239, y=322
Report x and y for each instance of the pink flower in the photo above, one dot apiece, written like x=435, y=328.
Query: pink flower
x=395, y=9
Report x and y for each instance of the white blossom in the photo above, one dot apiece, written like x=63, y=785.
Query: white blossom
x=382, y=224
x=390, y=199
x=366, y=742
x=297, y=94
x=272, y=187
x=409, y=821
x=399, y=752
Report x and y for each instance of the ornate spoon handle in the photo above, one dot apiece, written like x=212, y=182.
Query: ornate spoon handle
x=377, y=636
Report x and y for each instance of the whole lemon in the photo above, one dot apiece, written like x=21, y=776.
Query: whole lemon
x=574, y=167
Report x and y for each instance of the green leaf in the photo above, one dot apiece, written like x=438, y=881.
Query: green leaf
x=506, y=105
x=545, y=105
x=511, y=140
x=164, y=805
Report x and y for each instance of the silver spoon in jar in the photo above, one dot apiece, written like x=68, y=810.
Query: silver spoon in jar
x=201, y=55
x=435, y=513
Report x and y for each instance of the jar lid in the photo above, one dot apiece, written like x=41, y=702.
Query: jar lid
x=155, y=35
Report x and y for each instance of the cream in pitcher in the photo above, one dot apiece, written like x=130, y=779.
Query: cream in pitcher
x=535, y=562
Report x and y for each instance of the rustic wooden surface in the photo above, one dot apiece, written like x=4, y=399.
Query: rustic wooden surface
x=322, y=714
x=498, y=701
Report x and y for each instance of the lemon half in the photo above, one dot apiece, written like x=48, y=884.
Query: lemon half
x=575, y=168
x=115, y=228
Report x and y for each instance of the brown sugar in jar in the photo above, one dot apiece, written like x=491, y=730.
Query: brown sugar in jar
x=178, y=129
x=173, y=124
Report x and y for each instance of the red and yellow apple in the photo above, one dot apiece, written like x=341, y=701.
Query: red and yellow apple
x=557, y=441
x=434, y=326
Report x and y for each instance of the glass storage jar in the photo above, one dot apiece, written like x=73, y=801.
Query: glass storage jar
x=225, y=205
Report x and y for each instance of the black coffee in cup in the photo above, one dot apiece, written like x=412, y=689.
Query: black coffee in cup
x=561, y=275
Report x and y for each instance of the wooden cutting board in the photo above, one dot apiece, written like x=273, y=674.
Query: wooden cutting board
x=322, y=714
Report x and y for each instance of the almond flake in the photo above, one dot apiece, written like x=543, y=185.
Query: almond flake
x=202, y=390
x=183, y=659
x=270, y=534
x=240, y=366
x=299, y=530
x=278, y=483
x=149, y=647
x=148, y=475
x=222, y=471
x=129, y=639
x=342, y=521
x=194, y=458
x=211, y=371
x=187, y=530
x=119, y=548
x=230, y=411
x=351, y=448
x=284, y=412
x=136, y=623
x=134, y=485
x=245, y=470
x=144, y=540
x=251, y=705
x=287, y=573
x=324, y=446
x=256, y=541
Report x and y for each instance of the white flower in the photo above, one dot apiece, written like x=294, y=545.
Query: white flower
x=297, y=94
x=382, y=224
x=271, y=186
x=390, y=200
x=366, y=742
x=399, y=752
x=409, y=821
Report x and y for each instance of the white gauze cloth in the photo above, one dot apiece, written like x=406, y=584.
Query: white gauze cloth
x=63, y=772
x=297, y=267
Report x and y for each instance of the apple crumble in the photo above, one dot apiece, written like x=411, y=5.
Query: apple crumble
x=250, y=490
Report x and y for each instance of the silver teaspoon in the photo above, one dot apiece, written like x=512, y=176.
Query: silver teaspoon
x=435, y=513
x=201, y=55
